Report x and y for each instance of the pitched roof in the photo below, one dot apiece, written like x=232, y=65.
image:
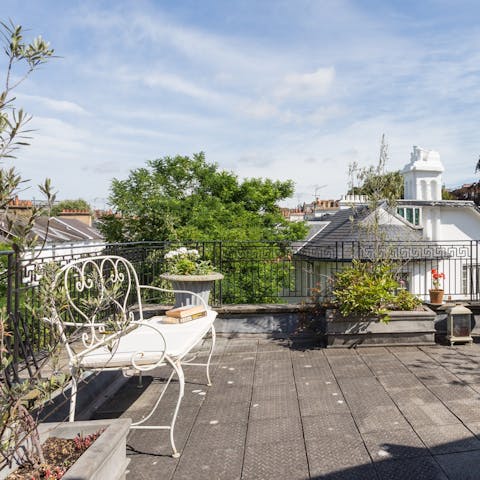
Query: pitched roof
x=345, y=237
x=61, y=230
x=66, y=230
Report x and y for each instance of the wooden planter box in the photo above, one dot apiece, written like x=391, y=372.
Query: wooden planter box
x=107, y=456
x=404, y=328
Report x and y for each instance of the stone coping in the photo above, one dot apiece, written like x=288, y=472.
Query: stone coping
x=421, y=311
x=281, y=308
x=245, y=308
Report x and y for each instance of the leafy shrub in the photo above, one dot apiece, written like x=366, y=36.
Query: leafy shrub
x=367, y=289
x=404, y=300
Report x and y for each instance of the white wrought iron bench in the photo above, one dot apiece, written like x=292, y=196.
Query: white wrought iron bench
x=96, y=307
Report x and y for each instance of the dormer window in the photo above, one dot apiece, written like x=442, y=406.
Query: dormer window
x=410, y=214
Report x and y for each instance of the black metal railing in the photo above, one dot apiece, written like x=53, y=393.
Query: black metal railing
x=254, y=272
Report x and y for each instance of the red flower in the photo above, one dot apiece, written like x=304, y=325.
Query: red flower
x=436, y=276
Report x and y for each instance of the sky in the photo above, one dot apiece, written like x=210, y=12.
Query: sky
x=266, y=88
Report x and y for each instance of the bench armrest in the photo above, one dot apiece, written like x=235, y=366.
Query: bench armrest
x=150, y=287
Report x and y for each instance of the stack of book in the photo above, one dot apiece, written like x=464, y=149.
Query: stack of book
x=184, y=314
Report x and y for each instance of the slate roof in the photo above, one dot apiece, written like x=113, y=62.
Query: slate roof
x=62, y=230
x=344, y=238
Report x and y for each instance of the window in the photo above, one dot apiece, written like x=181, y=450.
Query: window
x=411, y=214
x=470, y=279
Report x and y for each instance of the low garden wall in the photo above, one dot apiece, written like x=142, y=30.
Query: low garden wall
x=307, y=322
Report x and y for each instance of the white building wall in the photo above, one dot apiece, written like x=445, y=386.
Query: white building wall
x=459, y=224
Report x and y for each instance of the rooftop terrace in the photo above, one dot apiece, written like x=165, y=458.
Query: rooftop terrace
x=275, y=412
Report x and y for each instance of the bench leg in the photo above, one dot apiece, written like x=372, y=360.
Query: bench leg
x=178, y=370
x=181, y=380
x=214, y=336
x=73, y=396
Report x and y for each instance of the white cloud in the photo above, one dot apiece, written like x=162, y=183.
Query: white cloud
x=260, y=109
x=227, y=56
x=134, y=132
x=177, y=84
x=306, y=85
x=55, y=105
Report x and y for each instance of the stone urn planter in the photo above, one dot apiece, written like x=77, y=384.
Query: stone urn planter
x=200, y=284
x=105, y=458
x=414, y=327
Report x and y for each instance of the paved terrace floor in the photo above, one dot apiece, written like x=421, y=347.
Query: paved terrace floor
x=279, y=413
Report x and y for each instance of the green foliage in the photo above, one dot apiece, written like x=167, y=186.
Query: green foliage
x=382, y=190
x=18, y=233
x=381, y=186
x=256, y=273
x=78, y=204
x=446, y=194
x=377, y=184
x=404, y=300
x=12, y=122
x=370, y=289
x=3, y=274
x=185, y=198
x=18, y=436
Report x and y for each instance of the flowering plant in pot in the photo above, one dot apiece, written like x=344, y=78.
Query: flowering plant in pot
x=185, y=261
x=436, y=292
x=187, y=271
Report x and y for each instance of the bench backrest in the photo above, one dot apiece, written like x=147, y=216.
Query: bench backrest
x=92, y=299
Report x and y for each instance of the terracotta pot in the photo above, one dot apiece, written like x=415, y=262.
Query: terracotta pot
x=436, y=296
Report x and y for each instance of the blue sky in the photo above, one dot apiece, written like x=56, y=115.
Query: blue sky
x=279, y=89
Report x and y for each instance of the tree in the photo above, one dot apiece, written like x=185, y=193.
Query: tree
x=183, y=198
x=78, y=204
x=373, y=286
x=382, y=186
x=17, y=428
x=376, y=183
x=447, y=194
x=14, y=134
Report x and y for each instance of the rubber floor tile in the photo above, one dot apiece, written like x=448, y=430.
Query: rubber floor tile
x=448, y=438
x=274, y=430
x=421, y=468
x=275, y=461
x=461, y=466
x=394, y=444
x=208, y=464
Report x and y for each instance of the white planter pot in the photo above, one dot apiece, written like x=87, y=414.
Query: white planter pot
x=199, y=284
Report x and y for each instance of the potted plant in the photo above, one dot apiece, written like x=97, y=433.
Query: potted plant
x=371, y=307
x=371, y=290
x=186, y=270
x=436, y=293
x=74, y=451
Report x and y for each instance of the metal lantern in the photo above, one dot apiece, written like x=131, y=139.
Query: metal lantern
x=459, y=326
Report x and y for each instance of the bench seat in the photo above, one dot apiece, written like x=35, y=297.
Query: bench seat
x=143, y=343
